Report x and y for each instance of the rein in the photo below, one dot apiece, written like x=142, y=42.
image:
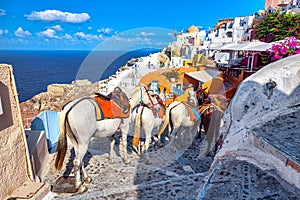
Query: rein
x=212, y=105
x=206, y=108
x=141, y=98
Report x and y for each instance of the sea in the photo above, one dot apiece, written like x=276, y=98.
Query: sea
x=34, y=70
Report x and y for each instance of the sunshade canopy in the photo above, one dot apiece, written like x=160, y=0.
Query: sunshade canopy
x=204, y=75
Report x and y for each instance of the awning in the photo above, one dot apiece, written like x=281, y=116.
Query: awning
x=247, y=46
x=204, y=75
x=261, y=47
x=227, y=46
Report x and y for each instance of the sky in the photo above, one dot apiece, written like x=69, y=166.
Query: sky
x=88, y=24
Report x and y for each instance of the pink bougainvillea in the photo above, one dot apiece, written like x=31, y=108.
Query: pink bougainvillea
x=290, y=46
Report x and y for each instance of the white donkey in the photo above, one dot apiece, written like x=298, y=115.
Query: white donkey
x=178, y=114
x=147, y=118
x=77, y=121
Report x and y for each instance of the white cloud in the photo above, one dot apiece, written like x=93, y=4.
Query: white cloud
x=49, y=33
x=105, y=30
x=21, y=33
x=145, y=34
x=57, y=15
x=57, y=27
x=137, y=40
x=89, y=37
x=68, y=36
x=3, y=32
x=2, y=12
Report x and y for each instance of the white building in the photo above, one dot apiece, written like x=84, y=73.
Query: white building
x=231, y=30
x=128, y=76
x=186, y=45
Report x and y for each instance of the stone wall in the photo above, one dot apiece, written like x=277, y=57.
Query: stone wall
x=15, y=167
x=271, y=92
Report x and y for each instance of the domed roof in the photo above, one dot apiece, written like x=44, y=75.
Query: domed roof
x=192, y=29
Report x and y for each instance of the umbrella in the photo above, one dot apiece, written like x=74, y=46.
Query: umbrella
x=204, y=75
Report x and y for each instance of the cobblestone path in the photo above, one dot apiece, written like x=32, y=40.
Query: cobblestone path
x=178, y=172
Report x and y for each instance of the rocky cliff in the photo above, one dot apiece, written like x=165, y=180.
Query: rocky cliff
x=56, y=96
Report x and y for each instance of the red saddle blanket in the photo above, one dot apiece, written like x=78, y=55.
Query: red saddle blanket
x=110, y=109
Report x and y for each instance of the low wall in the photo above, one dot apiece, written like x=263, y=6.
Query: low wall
x=15, y=168
x=16, y=174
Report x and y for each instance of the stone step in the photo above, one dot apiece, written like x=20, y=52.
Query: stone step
x=270, y=148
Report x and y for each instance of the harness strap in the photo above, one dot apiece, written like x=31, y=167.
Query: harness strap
x=141, y=98
x=98, y=111
x=202, y=110
x=217, y=107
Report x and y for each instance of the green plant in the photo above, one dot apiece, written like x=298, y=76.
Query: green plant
x=171, y=74
x=276, y=26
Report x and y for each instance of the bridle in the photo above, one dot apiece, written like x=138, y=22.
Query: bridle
x=149, y=97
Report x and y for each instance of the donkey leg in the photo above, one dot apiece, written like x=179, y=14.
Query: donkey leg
x=111, y=153
x=147, y=145
x=124, y=142
x=77, y=165
x=200, y=129
x=86, y=179
x=218, y=138
x=209, y=139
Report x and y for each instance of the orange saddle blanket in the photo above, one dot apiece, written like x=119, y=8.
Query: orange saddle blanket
x=192, y=112
x=109, y=109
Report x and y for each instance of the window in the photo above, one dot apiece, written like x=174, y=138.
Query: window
x=242, y=22
x=229, y=34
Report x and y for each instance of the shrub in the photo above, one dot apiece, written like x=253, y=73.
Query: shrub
x=276, y=26
x=290, y=46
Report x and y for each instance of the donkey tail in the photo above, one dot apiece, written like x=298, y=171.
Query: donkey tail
x=166, y=122
x=62, y=141
x=137, y=129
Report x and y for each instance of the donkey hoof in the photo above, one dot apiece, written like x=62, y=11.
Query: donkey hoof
x=87, y=180
x=127, y=161
x=147, y=162
x=82, y=189
x=111, y=161
x=207, y=153
x=160, y=144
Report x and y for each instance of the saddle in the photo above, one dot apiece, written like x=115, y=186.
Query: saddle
x=107, y=108
x=194, y=116
x=160, y=113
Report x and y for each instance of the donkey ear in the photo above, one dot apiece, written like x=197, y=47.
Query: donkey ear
x=117, y=89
